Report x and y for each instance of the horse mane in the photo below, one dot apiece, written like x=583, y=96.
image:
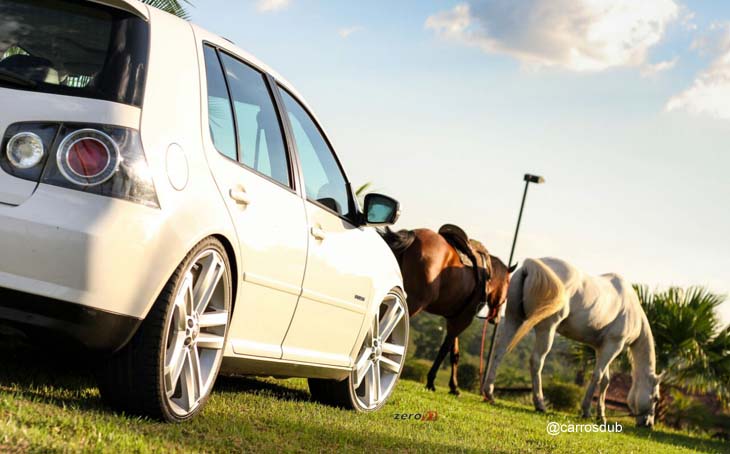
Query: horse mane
x=399, y=241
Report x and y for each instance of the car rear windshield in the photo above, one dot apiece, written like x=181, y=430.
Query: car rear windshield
x=75, y=48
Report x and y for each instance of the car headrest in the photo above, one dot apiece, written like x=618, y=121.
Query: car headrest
x=34, y=68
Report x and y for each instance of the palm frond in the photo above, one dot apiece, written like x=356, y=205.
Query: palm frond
x=175, y=7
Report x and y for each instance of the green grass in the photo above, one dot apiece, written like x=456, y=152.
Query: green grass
x=49, y=403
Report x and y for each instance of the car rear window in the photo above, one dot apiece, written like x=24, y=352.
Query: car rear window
x=75, y=48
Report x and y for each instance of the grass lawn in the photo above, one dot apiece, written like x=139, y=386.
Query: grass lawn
x=48, y=402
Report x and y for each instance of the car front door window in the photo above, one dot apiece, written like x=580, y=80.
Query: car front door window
x=323, y=179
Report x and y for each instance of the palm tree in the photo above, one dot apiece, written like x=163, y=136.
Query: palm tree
x=175, y=7
x=691, y=347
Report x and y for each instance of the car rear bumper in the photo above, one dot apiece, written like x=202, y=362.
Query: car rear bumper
x=93, y=329
x=106, y=255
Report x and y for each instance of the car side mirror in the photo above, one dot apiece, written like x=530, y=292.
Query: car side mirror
x=380, y=210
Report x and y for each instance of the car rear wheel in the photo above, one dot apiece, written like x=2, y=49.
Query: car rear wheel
x=378, y=363
x=168, y=369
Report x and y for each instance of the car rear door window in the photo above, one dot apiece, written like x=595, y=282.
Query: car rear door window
x=260, y=137
x=323, y=179
x=220, y=117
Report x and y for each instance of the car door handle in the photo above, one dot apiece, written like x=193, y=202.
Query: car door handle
x=318, y=233
x=240, y=196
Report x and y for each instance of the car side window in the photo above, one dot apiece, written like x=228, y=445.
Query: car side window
x=323, y=179
x=220, y=117
x=260, y=137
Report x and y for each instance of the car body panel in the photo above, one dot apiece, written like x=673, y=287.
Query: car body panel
x=337, y=286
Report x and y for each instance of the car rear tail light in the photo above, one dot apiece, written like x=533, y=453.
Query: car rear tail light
x=25, y=150
x=88, y=157
x=97, y=159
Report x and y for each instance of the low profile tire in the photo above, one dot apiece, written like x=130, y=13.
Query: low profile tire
x=378, y=363
x=168, y=369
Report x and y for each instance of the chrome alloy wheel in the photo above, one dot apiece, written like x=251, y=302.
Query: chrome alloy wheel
x=381, y=357
x=196, y=333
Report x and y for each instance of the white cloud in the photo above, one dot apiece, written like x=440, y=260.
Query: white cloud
x=710, y=91
x=266, y=6
x=577, y=35
x=652, y=69
x=346, y=32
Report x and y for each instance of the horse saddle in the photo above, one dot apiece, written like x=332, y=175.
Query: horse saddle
x=472, y=254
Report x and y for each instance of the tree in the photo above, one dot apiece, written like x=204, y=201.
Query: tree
x=691, y=348
x=175, y=7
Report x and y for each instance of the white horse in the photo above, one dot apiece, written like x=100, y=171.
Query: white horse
x=604, y=312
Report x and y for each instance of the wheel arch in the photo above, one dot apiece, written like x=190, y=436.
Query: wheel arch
x=180, y=256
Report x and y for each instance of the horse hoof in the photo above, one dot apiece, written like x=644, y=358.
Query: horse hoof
x=585, y=415
x=539, y=405
x=455, y=392
x=488, y=399
x=431, y=387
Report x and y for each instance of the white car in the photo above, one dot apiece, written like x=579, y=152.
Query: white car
x=167, y=198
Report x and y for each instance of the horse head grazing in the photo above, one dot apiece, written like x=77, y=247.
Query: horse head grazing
x=498, y=286
x=642, y=400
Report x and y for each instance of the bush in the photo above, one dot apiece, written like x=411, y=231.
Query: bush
x=563, y=396
x=416, y=370
x=686, y=412
x=468, y=375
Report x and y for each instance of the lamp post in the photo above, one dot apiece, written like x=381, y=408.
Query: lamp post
x=528, y=178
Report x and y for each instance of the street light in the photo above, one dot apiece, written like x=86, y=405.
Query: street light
x=528, y=178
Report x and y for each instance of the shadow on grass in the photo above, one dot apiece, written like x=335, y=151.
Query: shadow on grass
x=56, y=374
x=62, y=375
x=238, y=384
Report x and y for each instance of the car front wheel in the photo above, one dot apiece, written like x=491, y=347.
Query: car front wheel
x=168, y=369
x=378, y=363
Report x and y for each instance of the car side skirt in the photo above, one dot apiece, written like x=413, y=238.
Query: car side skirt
x=257, y=366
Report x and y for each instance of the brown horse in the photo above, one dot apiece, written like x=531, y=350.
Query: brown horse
x=436, y=281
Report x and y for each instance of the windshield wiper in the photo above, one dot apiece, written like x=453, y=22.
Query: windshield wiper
x=17, y=79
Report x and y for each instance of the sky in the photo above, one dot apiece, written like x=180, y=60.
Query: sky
x=622, y=105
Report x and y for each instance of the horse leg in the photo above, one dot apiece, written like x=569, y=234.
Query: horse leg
x=505, y=332
x=544, y=336
x=454, y=382
x=602, y=388
x=445, y=348
x=605, y=354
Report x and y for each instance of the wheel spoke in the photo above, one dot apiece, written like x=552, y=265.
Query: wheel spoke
x=210, y=275
x=390, y=320
x=393, y=349
x=184, y=301
x=211, y=319
x=362, y=366
x=175, y=362
x=191, y=379
x=210, y=341
x=389, y=365
x=374, y=382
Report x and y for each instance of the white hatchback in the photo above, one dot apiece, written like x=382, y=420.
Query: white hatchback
x=167, y=198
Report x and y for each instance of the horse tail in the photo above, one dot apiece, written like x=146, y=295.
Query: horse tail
x=542, y=289
x=399, y=241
